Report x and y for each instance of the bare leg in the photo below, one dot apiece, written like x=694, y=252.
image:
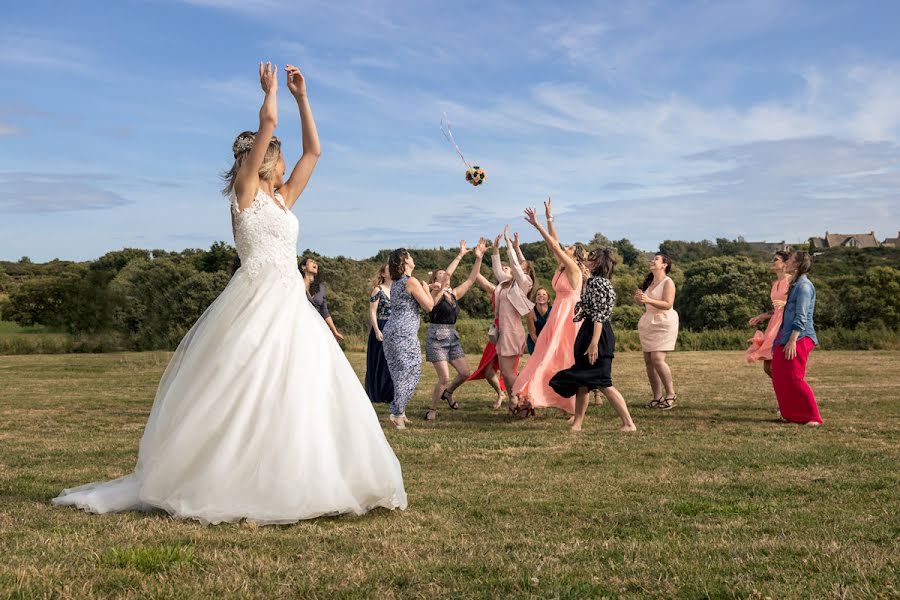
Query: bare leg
x=494, y=380
x=442, y=368
x=655, y=382
x=618, y=403
x=462, y=373
x=662, y=369
x=598, y=398
x=508, y=370
x=767, y=368
x=581, y=404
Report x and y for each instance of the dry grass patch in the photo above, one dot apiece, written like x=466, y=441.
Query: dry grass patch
x=712, y=499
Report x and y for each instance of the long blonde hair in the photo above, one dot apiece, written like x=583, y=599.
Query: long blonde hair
x=241, y=148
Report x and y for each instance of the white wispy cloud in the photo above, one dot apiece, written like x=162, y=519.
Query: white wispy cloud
x=24, y=192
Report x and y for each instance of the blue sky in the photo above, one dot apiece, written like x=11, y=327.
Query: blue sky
x=648, y=120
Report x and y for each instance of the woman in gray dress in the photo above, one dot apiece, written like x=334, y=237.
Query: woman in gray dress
x=401, y=332
x=315, y=293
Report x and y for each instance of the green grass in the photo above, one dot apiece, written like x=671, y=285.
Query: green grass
x=10, y=328
x=713, y=499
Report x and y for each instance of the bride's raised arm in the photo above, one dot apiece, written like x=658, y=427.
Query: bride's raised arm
x=302, y=171
x=246, y=182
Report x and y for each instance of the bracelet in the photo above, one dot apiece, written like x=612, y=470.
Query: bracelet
x=549, y=219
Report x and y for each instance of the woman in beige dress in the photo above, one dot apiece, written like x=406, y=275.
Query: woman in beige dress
x=512, y=304
x=658, y=329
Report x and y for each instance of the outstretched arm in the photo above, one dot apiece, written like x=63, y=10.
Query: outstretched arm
x=451, y=268
x=519, y=275
x=548, y=212
x=573, y=272
x=466, y=285
x=302, y=171
x=482, y=282
x=247, y=180
x=518, y=247
x=496, y=265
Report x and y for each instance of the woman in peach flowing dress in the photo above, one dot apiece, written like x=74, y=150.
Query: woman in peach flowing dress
x=761, y=342
x=553, y=351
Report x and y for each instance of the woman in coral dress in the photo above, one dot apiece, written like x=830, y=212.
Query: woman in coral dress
x=553, y=351
x=761, y=342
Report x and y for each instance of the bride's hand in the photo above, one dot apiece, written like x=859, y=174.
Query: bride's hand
x=268, y=77
x=295, y=81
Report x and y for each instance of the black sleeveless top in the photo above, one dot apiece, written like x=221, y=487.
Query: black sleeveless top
x=444, y=311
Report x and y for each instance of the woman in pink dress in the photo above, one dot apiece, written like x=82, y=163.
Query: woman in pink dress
x=658, y=329
x=553, y=351
x=761, y=342
x=489, y=366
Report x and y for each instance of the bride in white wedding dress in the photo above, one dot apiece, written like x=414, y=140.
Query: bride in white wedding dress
x=259, y=415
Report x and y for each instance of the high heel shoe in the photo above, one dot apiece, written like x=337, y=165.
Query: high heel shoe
x=450, y=401
x=399, y=421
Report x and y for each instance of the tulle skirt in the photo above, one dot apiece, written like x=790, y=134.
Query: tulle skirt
x=258, y=416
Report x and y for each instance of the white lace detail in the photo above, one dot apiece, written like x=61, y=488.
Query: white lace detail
x=265, y=235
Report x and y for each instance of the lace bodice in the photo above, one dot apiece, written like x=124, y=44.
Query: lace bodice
x=265, y=235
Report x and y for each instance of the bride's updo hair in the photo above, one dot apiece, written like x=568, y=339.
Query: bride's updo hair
x=241, y=148
x=397, y=263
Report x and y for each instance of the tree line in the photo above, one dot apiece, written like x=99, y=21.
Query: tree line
x=150, y=298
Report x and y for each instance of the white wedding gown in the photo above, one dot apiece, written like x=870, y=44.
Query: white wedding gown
x=259, y=415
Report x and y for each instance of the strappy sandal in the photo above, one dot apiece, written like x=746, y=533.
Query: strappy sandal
x=523, y=410
x=654, y=403
x=668, y=403
x=432, y=412
x=450, y=401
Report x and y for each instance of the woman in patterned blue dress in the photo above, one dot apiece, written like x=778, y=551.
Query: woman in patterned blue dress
x=401, y=333
x=379, y=385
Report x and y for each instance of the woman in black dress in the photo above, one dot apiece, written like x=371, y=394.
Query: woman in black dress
x=594, y=345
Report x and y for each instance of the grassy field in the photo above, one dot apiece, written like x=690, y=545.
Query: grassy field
x=713, y=499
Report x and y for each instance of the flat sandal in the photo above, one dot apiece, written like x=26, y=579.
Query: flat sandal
x=668, y=403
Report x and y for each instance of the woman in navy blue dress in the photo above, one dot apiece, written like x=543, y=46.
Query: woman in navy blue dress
x=379, y=385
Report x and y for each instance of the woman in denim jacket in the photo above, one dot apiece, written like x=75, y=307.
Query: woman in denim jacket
x=795, y=340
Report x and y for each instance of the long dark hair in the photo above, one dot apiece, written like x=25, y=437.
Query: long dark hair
x=397, y=263
x=605, y=262
x=649, y=278
x=804, y=264
x=316, y=284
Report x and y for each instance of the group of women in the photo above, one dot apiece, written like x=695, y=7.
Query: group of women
x=571, y=340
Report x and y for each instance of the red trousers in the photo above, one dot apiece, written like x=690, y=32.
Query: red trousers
x=796, y=400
